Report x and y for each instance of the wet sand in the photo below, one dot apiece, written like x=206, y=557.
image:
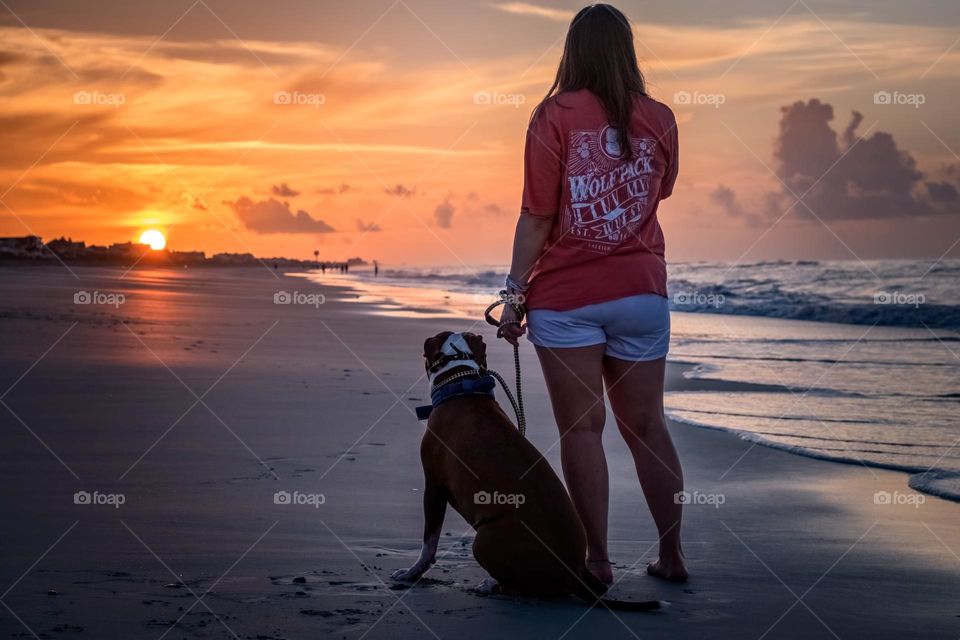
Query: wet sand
x=184, y=411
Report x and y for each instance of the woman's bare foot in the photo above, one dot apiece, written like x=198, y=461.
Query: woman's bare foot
x=672, y=571
x=601, y=569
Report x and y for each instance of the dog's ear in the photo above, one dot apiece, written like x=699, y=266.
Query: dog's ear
x=477, y=347
x=432, y=346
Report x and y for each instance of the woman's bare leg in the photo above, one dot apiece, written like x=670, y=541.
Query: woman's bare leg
x=575, y=382
x=635, y=390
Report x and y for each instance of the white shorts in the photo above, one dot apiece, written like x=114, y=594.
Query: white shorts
x=634, y=328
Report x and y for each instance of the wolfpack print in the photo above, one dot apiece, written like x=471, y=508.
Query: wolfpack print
x=608, y=197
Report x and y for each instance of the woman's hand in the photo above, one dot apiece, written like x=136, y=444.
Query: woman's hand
x=510, y=327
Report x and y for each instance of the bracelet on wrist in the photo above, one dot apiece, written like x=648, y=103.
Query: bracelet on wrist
x=516, y=300
x=513, y=285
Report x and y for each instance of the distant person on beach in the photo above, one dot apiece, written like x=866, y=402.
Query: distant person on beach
x=588, y=262
x=376, y=268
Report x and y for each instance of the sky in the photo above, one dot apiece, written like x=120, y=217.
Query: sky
x=393, y=129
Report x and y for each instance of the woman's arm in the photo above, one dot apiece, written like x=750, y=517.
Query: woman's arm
x=529, y=240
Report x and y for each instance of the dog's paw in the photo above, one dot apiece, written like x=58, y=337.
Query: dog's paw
x=406, y=575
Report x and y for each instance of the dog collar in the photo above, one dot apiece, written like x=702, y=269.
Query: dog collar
x=482, y=385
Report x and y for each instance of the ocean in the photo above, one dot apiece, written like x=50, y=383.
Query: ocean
x=859, y=362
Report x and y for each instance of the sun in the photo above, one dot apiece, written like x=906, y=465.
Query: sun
x=153, y=238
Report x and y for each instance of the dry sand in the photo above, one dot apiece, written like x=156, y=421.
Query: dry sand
x=198, y=399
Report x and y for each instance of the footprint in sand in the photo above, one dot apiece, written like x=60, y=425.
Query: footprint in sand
x=349, y=616
x=61, y=628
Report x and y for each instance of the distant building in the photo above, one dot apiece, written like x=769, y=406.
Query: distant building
x=67, y=248
x=188, y=257
x=23, y=246
x=96, y=252
x=234, y=259
x=128, y=249
x=32, y=249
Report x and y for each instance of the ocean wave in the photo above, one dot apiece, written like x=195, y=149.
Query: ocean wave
x=822, y=341
x=891, y=293
x=768, y=263
x=774, y=302
x=478, y=278
x=941, y=483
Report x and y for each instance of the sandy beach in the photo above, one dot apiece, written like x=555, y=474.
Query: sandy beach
x=186, y=458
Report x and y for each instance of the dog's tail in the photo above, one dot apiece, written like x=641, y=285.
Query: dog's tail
x=592, y=590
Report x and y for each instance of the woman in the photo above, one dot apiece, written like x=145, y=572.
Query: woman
x=588, y=261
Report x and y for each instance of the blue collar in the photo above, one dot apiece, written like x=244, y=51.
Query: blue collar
x=484, y=385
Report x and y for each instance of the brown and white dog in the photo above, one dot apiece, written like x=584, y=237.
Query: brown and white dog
x=528, y=536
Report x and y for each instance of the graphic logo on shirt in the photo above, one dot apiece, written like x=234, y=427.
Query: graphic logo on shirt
x=611, y=142
x=608, y=196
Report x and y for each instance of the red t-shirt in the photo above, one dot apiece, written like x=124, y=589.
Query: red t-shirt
x=606, y=243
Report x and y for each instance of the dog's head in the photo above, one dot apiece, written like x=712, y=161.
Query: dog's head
x=448, y=350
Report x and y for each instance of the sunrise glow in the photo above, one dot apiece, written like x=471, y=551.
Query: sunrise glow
x=153, y=238
x=344, y=137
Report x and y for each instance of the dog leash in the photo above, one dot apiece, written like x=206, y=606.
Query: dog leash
x=517, y=402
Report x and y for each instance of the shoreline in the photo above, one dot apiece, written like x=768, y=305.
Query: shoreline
x=836, y=292
x=918, y=478
x=318, y=400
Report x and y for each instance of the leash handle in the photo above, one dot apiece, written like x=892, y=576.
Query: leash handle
x=506, y=298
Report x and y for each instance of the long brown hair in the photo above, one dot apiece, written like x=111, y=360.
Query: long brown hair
x=598, y=55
